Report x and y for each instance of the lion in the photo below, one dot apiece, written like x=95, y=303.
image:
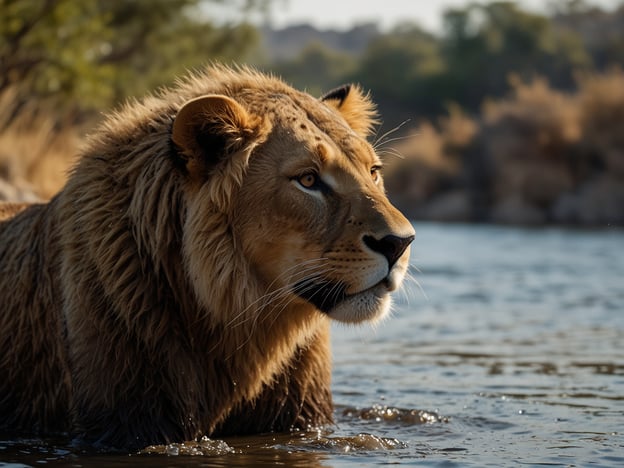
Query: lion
x=182, y=282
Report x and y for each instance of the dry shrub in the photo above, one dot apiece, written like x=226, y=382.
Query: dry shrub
x=417, y=166
x=558, y=157
x=457, y=130
x=601, y=108
x=539, y=155
x=429, y=165
x=535, y=122
x=528, y=137
x=36, y=150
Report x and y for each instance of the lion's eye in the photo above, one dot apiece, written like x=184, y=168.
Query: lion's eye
x=309, y=180
x=375, y=173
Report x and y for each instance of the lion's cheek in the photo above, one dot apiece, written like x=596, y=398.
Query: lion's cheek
x=212, y=264
x=283, y=260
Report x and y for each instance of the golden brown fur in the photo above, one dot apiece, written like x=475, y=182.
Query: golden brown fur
x=182, y=282
x=9, y=209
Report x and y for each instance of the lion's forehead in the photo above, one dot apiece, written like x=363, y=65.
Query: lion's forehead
x=322, y=135
x=305, y=116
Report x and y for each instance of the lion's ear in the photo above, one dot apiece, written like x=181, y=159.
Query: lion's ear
x=355, y=107
x=209, y=128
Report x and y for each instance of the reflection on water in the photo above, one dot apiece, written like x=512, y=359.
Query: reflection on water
x=509, y=351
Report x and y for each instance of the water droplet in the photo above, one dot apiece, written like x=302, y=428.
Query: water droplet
x=521, y=411
x=172, y=450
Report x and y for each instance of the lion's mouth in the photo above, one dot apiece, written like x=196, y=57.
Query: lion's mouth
x=325, y=294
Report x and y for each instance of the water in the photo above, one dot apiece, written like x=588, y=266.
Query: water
x=511, y=354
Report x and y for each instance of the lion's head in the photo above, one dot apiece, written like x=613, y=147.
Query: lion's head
x=300, y=194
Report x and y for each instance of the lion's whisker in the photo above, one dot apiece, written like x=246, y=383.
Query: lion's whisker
x=380, y=141
x=285, y=293
x=409, y=277
x=380, y=146
x=273, y=299
x=309, y=267
x=391, y=152
x=305, y=285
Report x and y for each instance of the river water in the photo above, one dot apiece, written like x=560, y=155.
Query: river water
x=506, y=348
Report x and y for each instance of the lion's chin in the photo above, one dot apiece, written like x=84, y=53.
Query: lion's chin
x=371, y=305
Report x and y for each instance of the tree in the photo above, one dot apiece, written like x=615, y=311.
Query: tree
x=317, y=68
x=601, y=32
x=401, y=67
x=484, y=44
x=52, y=47
x=91, y=53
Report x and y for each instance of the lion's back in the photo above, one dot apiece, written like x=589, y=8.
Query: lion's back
x=31, y=349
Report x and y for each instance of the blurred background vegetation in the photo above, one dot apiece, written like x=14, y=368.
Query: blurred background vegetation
x=505, y=115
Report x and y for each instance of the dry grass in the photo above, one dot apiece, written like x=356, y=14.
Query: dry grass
x=36, y=151
x=535, y=122
x=457, y=130
x=422, y=166
x=601, y=111
x=430, y=164
x=528, y=136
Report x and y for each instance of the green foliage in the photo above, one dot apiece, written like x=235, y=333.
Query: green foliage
x=483, y=44
x=416, y=74
x=398, y=65
x=46, y=45
x=90, y=53
x=317, y=69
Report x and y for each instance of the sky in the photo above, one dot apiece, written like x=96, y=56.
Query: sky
x=338, y=14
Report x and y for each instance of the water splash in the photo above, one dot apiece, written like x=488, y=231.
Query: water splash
x=203, y=447
x=380, y=413
x=359, y=443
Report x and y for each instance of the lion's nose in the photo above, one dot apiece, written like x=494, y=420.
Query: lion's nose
x=391, y=247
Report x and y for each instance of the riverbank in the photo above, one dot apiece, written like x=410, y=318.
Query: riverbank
x=538, y=157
